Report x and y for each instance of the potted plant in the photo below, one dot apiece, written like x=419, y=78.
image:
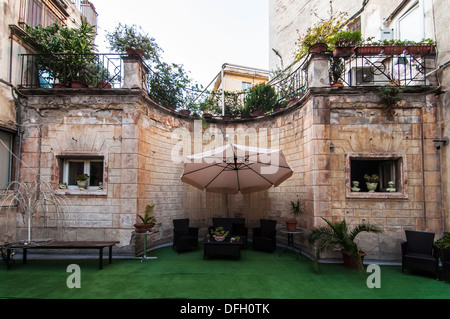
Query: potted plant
x=147, y=221
x=133, y=40
x=219, y=233
x=393, y=47
x=344, y=43
x=64, y=53
x=424, y=47
x=296, y=210
x=318, y=37
x=261, y=98
x=337, y=68
x=82, y=180
x=369, y=48
x=371, y=182
x=443, y=244
x=336, y=235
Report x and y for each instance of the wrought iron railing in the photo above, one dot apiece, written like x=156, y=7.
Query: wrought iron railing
x=406, y=70
x=291, y=84
x=47, y=70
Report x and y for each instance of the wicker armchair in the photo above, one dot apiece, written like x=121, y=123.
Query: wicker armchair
x=419, y=252
x=184, y=237
x=264, y=237
x=445, y=259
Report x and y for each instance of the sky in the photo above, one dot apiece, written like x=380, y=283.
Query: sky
x=201, y=35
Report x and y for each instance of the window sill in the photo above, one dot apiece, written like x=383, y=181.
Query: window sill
x=377, y=195
x=82, y=192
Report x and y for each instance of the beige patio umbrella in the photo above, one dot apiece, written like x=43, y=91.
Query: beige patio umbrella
x=236, y=168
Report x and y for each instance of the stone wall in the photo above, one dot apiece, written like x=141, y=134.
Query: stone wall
x=143, y=144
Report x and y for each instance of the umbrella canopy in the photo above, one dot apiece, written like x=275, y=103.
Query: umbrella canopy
x=236, y=168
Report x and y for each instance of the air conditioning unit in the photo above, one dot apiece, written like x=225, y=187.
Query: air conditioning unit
x=361, y=75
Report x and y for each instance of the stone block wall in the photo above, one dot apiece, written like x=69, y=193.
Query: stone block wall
x=143, y=144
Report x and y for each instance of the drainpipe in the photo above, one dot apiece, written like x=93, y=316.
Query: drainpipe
x=423, y=175
x=223, y=93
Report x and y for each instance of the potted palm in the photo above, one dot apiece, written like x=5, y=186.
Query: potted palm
x=296, y=210
x=147, y=221
x=338, y=236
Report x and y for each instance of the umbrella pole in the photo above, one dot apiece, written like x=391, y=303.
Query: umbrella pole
x=226, y=203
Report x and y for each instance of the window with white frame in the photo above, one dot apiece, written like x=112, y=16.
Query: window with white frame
x=411, y=24
x=6, y=140
x=75, y=166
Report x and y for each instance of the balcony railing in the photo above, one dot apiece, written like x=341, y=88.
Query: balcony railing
x=46, y=70
x=379, y=70
x=406, y=70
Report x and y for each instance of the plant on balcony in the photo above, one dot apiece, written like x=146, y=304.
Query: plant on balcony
x=261, y=97
x=337, y=68
x=133, y=40
x=369, y=47
x=63, y=53
x=424, y=47
x=317, y=38
x=344, y=42
x=393, y=46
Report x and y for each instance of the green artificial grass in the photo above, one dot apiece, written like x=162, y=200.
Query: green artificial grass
x=188, y=276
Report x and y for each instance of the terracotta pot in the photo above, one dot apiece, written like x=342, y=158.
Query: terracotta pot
x=184, y=112
x=292, y=101
x=343, y=52
x=257, y=113
x=169, y=107
x=352, y=262
x=59, y=86
x=78, y=84
x=337, y=84
x=318, y=48
x=419, y=49
x=207, y=115
x=291, y=225
x=368, y=50
x=227, y=116
x=143, y=228
x=393, y=49
x=103, y=85
x=133, y=52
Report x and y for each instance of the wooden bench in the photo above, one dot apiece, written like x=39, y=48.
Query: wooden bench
x=60, y=245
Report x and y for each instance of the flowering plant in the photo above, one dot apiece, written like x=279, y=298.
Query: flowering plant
x=371, y=178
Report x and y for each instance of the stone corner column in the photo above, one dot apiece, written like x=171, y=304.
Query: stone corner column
x=135, y=73
x=317, y=70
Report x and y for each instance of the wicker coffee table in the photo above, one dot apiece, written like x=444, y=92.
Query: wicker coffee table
x=226, y=248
